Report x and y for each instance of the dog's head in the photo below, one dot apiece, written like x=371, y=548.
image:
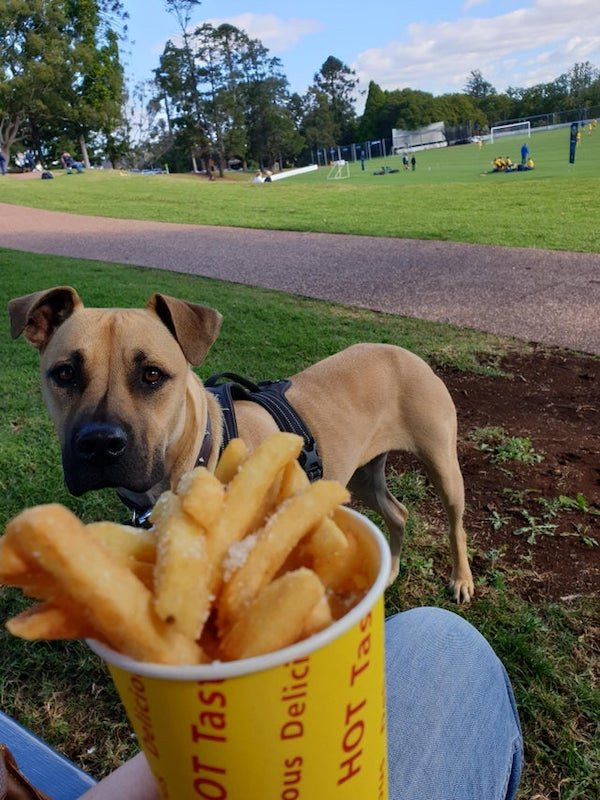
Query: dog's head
x=116, y=382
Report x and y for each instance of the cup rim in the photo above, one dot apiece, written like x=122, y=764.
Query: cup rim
x=232, y=669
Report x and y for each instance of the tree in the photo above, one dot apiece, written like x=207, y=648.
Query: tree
x=94, y=94
x=177, y=78
x=232, y=92
x=32, y=58
x=59, y=68
x=400, y=108
x=478, y=87
x=458, y=109
x=579, y=79
x=319, y=125
x=336, y=83
x=370, y=124
x=270, y=113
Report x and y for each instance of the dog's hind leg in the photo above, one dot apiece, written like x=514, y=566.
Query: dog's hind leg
x=444, y=473
x=368, y=486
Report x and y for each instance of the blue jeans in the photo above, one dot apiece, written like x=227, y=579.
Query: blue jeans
x=453, y=726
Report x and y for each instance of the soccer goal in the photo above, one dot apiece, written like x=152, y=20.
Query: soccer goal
x=339, y=170
x=514, y=129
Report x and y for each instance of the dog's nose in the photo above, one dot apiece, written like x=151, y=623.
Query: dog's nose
x=100, y=441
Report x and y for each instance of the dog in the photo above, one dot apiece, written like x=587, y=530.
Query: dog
x=130, y=413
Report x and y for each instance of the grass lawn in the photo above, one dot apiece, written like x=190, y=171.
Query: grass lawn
x=64, y=694
x=452, y=195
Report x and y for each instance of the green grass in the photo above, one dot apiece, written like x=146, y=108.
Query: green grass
x=451, y=196
x=63, y=693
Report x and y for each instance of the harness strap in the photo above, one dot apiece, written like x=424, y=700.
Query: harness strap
x=271, y=396
x=268, y=394
x=223, y=394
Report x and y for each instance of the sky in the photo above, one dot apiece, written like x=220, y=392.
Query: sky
x=432, y=46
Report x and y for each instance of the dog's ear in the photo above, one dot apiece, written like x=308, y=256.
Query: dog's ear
x=195, y=327
x=38, y=315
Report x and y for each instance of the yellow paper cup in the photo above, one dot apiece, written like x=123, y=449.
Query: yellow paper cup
x=303, y=723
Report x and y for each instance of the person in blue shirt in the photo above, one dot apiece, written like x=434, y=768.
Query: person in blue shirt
x=524, y=154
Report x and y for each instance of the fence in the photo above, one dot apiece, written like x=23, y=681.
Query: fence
x=455, y=134
x=557, y=118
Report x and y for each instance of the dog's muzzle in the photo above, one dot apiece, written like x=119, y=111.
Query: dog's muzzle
x=103, y=453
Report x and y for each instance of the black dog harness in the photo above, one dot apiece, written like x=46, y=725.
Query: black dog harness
x=271, y=396
x=268, y=394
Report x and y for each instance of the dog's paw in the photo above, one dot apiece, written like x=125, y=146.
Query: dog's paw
x=463, y=589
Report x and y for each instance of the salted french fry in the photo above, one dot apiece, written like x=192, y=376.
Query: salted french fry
x=47, y=621
x=282, y=532
x=202, y=496
x=125, y=541
x=245, y=494
x=319, y=618
x=181, y=570
x=331, y=554
x=269, y=503
x=142, y=571
x=293, y=480
x=232, y=457
x=114, y=602
x=276, y=618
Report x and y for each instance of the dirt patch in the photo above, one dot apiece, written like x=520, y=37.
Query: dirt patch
x=542, y=518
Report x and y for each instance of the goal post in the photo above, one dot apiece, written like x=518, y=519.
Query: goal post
x=513, y=129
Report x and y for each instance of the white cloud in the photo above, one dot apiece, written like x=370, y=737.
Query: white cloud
x=469, y=4
x=439, y=57
x=277, y=34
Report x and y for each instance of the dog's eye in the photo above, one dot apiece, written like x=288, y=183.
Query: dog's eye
x=63, y=375
x=152, y=376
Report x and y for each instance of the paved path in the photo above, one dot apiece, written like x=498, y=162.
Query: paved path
x=540, y=295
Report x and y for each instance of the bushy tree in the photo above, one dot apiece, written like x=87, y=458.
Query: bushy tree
x=60, y=73
x=230, y=96
x=33, y=54
x=332, y=95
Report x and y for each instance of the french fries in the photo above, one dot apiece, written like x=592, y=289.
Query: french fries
x=274, y=543
x=114, y=603
x=237, y=564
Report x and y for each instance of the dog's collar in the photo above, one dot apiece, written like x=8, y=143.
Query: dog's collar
x=141, y=504
x=206, y=446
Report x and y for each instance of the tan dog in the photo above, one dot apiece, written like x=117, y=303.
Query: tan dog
x=130, y=413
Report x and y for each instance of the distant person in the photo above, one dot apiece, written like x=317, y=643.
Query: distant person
x=405, y=161
x=67, y=161
x=2, y=163
x=524, y=154
x=413, y=163
x=362, y=160
x=530, y=164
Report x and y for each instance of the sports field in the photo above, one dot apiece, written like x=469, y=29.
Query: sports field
x=452, y=195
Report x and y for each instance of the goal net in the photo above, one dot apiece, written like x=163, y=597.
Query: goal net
x=339, y=170
x=514, y=129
